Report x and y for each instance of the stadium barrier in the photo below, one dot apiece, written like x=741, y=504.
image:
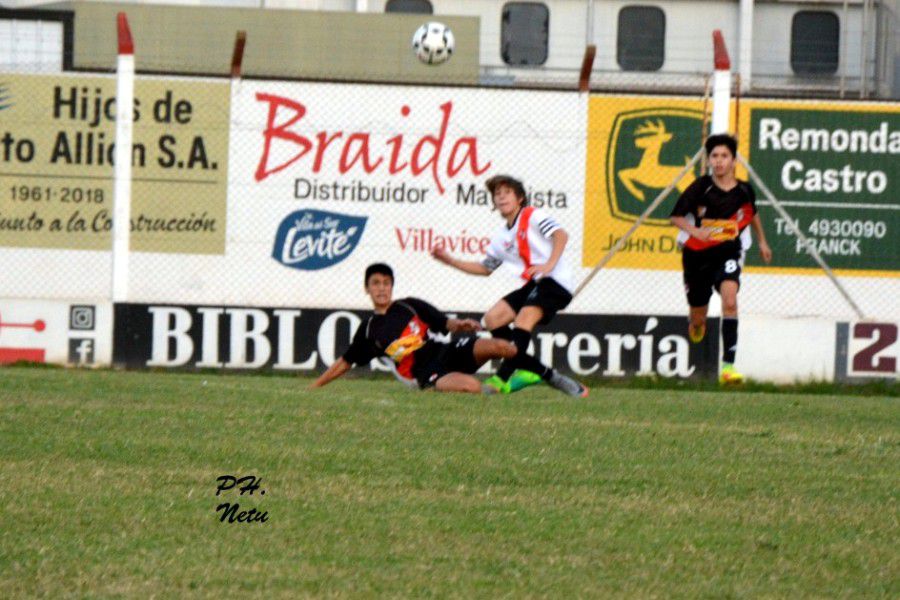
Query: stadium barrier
x=275, y=195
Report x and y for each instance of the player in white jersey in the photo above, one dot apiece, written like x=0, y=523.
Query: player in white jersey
x=533, y=243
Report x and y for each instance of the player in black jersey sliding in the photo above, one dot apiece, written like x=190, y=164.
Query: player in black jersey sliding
x=713, y=214
x=400, y=331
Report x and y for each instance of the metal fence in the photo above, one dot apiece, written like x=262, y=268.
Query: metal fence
x=268, y=193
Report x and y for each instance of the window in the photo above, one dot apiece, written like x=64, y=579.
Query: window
x=641, y=38
x=815, y=37
x=422, y=7
x=36, y=40
x=524, y=33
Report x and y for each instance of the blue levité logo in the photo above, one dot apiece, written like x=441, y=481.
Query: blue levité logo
x=316, y=239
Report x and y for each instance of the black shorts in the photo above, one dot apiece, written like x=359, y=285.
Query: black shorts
x=458, y=356
x=544, y=293
x=707, y=269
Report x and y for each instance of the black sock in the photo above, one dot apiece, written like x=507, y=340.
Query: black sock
x=729, y=338
x=521, y=339
x=502, y=333
x=530, y=363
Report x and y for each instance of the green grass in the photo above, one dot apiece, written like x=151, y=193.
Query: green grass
x=109, y=490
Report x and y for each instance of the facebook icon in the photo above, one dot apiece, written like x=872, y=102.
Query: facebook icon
x=81, y=351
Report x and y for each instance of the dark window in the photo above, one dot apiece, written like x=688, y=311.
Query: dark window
x=815, y=37
x=524, y=33
x=422, y=7
x=641, y=38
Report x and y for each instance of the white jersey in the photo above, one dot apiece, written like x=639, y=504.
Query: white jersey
x=526, y=243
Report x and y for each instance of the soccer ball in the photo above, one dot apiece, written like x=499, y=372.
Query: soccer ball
x=433, y=43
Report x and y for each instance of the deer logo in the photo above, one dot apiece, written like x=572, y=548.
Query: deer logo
x=647, y=148
x=651, y=137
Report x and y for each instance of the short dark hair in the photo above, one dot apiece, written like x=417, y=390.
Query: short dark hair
x=514, y=184
x=379, y=269
x=721, y=139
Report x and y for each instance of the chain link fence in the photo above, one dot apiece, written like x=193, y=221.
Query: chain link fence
x=266, y=193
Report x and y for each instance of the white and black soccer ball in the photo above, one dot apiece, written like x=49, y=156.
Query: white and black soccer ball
x=433, y=43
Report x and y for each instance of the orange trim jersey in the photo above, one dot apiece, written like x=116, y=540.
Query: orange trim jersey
x=528, y=242
x=401, y=334
x=727, y=213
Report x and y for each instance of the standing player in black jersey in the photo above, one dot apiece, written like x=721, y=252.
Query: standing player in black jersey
x=400, y=331
x=713, y=214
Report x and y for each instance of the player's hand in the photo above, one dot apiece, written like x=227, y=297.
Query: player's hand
x=538, y=271
x=702, y=233
x=765, y=252
x=463, y=325
x=441, y=254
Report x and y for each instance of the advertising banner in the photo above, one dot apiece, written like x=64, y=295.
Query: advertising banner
x=56, y=163
x=836, y=169
x=294, y=339
x=866, y=351
x=636, y=147
x=76, y=334
x=327, y=178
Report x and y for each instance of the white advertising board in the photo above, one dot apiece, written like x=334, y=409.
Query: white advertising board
x=42, y=331
x=325, y=179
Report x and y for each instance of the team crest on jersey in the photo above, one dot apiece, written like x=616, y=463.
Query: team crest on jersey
x=404, y=346
x=647, y=150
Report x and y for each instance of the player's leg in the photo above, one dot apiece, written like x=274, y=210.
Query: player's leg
x=540, y=306
x=500, y=315
x=697, y=325
x=728, y=286
x=485, y=349
x=497, y=321
x=458, y=382
x=698, y=284
x=464, y=357
x=525, y=322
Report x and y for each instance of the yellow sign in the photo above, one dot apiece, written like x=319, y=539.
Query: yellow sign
x=56, y=164
x=636, y=147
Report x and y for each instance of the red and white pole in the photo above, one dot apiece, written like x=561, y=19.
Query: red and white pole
x=721, y=86
x=122, y=162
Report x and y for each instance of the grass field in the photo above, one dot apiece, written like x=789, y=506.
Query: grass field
x=109, y=490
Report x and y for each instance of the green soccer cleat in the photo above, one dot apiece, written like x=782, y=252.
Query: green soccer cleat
x=521, y=379
x=729, y=376
x=495, y=385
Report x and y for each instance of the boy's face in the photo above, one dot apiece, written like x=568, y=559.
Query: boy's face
x=505, y=199
x=721, y=160
x=380, y=287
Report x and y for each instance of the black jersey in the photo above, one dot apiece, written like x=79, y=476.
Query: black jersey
x=401, y=334
x=726, y=213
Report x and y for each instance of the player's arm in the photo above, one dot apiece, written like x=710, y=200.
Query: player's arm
x=764, y=251
x=559, y=239
x=687, y=205
x=438, y=321
x=683, y=224
x=466, y=266
x=463, y=325
x=358, y=353
x=338, y=368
